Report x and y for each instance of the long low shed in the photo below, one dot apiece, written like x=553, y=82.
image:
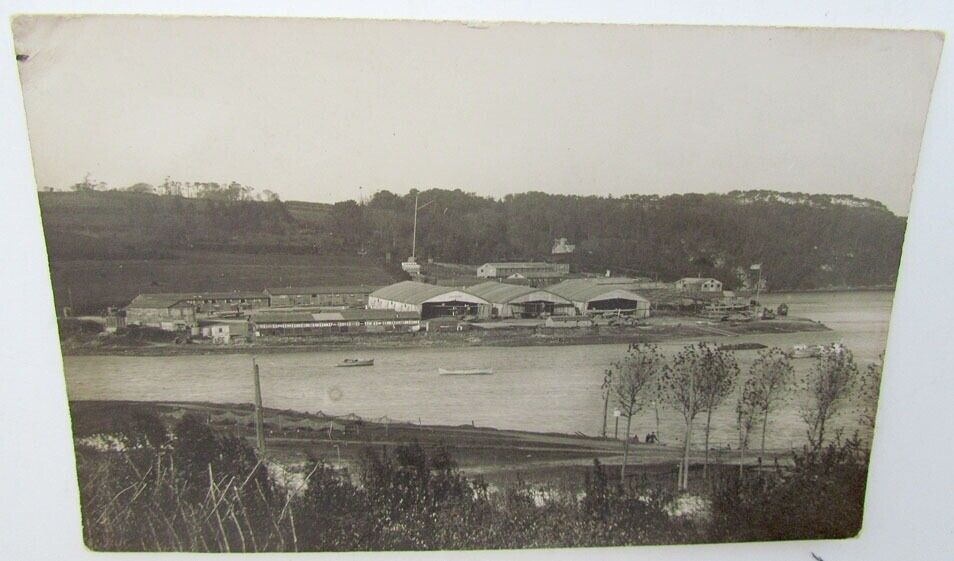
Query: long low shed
x=303, y=322
x=429, y=300
x=518, y=301
x=354, y=296
x=592, y=296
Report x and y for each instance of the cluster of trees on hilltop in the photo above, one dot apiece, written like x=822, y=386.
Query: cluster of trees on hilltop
x=130, y=225
x=227, y=191
x=803, y=241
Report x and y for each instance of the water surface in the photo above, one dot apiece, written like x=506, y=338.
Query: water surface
x=534, y=388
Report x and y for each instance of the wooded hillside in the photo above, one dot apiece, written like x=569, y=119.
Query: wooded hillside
x=803, y=241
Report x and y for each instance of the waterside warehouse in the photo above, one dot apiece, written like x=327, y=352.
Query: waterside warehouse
x=428, y=300
x=518, y=301
x=303, y=322
x=595, y=295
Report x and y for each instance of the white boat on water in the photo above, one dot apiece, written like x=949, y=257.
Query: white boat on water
x=815, y=351
x=465, y=372
x=355, y=362
x=805, y=351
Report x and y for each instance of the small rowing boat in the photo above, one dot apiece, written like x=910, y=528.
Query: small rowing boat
x=805, y=351
x=355, y=362
x=465, y=372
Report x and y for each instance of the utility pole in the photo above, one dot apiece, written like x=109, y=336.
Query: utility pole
x=656, y=407
x=259, y=414
x=607, y=382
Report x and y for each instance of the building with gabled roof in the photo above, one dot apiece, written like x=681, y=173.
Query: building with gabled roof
x=429, y=300
x=699, y=284
x=225, y=330
x=175, y=311
x=562, y=247
x=591, y=296
x=510, y=300
x=329, y=296
x=532, y=272
x=171, y=312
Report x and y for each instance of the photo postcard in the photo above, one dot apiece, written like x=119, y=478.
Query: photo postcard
x=357, y=285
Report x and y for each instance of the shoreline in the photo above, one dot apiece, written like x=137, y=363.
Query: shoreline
x=836, y=289
x=685, y=329
x=497, y=455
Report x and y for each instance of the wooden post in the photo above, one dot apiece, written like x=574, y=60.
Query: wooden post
x=605, y=411
x=259, y=414
x=656, y=407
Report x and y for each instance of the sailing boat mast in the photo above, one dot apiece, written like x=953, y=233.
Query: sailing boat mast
x=414, y=235
x=410, y=266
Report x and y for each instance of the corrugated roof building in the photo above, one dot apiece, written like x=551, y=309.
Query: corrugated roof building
x=593, y=296
x=429, y=300
x=510, y=300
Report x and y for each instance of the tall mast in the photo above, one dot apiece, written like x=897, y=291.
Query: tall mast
x=414, y=235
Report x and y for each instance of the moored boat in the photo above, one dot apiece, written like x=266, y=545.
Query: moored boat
x=805, y=351
x=815, y=351
x=355, y=362
x=465, y=372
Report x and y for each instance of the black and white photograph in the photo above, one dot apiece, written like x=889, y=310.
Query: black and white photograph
x=338, y=285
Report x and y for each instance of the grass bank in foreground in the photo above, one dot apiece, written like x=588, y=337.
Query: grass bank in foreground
x=182, y=477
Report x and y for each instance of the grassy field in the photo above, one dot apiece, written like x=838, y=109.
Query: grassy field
x=92, y=285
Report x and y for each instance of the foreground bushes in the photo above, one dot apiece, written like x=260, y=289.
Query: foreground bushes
x=195, y=490
x=822, y=497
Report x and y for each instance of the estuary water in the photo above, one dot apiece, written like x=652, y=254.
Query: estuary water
x=551, y=389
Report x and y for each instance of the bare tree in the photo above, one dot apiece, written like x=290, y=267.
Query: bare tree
x=827, y=386
x=771, y=372
x=632, y=379
x=718, y=371
x=680, y=388
x=88, y=184
x=747, y=410
x=870, y=390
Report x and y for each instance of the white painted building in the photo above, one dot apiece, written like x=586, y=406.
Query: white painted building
x=522, y=269
x=699, y=284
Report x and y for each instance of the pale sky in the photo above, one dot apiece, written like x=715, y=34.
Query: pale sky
x=326, y=110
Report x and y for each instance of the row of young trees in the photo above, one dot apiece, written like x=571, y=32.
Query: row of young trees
x=700, y=379
x=230, y=191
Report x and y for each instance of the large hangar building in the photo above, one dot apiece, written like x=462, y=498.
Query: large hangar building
x=429, y=300
x=518, y=301
x=594, y=295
